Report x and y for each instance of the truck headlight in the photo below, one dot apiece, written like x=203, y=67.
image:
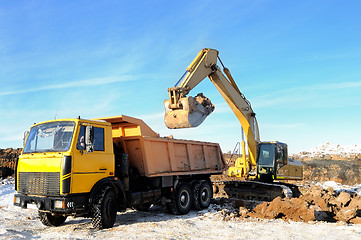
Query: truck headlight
x=59, y=204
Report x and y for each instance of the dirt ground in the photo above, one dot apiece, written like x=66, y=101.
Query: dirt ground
x=211, y=223
x=315, y=204
x=342, y=171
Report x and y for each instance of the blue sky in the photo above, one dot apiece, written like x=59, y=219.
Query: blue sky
x=297, y=62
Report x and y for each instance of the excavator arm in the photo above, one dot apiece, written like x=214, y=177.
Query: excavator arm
x=183, y=111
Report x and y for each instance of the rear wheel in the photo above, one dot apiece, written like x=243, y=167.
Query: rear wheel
x=104, y=209
x=196, y=189
x=52, y=220
x=203, y=194
x=182, y=200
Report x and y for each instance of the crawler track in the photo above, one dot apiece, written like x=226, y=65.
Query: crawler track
x=253, y=190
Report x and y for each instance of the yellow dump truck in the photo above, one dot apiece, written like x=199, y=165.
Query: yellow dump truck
x=96, y=168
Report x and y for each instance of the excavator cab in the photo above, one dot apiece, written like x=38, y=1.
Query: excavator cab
x=272, y=156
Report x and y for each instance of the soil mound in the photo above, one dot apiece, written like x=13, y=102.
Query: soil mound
x=341, y=171
x=315, y=204
x=8, y=158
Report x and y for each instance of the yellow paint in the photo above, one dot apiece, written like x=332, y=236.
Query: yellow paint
x=39, y=162
x=132, y=131
x=87, y=169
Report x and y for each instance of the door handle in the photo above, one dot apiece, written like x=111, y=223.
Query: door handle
x=103, y=169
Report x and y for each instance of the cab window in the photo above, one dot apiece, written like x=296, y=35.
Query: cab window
x=266, y=155
x=98, y=139
x=281, y=156
x=81, y=139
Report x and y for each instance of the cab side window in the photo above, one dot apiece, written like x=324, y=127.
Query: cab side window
x=281, y=156
x=98, y=139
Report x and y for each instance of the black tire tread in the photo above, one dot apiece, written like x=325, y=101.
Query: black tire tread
x=96, y=209
x=196, y=189
x=51, y=220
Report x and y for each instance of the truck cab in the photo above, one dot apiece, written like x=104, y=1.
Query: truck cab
x=55, y=165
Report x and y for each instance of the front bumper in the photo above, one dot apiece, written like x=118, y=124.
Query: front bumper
x=70, y=205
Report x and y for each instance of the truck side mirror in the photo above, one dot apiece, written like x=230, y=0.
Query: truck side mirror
x=26, y=134
x=89, y=139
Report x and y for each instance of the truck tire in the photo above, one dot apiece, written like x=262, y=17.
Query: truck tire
x=51, y=220
x=104, y=209
x=196, y=194
x=204, y=194
x=182, y=200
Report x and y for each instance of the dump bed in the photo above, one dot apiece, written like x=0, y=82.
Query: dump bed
x=154, y=156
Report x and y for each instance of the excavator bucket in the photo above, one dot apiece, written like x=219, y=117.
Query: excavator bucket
x=192, y=113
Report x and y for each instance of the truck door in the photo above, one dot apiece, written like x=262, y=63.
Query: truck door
x=88, y=168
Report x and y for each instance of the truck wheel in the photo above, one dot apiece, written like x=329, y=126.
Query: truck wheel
x=205, y=194
x=182, y=200
x=196, y=194
x=51, y=220
x=104, y=209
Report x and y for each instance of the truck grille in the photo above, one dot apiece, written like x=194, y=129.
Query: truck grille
x=39, y=183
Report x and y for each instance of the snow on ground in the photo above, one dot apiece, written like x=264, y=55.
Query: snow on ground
x=338, y=187
x=17, y=223
x=332, y=149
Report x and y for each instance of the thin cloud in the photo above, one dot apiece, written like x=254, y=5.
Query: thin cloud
x=283, y=126
x=87, y=82
x=12, y=138
x=304, y=94
x=342, y=85
x=152, y=116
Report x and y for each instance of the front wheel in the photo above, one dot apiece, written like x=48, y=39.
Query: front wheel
x=52, y=220
x=104, y=209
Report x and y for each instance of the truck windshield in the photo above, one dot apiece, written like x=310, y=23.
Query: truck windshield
x=50, y=137
x=266, y=155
